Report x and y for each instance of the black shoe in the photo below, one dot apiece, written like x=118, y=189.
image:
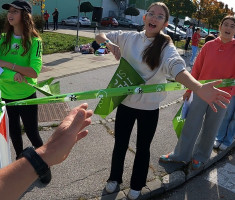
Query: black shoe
x=47, y=178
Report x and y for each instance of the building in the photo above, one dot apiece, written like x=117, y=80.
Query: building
x=112, y=8
x=70, y=7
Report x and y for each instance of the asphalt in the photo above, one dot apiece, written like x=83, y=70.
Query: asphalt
x=84, y=173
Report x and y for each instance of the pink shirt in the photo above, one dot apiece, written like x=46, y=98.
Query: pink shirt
x=216, y=60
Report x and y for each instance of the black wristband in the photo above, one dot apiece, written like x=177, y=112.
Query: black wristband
x=36, y=161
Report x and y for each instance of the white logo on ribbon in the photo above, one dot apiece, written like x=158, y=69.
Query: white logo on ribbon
x=159, y=88
x=138, y=90
x=101, y=94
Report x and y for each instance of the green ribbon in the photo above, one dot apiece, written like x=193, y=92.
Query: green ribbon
x=111, y=92
x=124, y=76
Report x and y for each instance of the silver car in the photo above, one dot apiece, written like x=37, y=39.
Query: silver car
x=127, y=22
x=73, y=20
x=182, y=33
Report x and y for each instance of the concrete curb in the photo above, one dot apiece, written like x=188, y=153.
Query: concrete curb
x=169, y=181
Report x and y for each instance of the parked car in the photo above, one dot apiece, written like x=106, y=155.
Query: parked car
x=182, y=33
x=215, y=33
x=109, y=21
x=167, y=31
x=73, y=20
x=140, y=28
x=203, y=33
x=174, y=36
x=127, y=22
x=182, y=28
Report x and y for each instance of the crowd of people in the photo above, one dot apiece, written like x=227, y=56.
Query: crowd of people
x=152, y=54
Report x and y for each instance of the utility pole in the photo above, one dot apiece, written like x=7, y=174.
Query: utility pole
x=77, y=47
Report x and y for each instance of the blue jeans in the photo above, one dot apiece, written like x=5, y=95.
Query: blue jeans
x=194, y=53
x=226, y=131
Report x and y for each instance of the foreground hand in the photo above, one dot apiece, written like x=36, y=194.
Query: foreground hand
x=66, y=135
x=115, y=50
x=212, y=95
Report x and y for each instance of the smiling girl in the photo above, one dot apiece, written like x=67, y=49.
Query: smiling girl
x=153, y=55
x=216, y=60
x=21, y=60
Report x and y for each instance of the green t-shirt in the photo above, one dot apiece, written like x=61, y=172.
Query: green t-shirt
x=9, y=88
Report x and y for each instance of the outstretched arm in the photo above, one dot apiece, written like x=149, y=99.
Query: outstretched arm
x=18, y=176
x=101, y=38
x=206, y=92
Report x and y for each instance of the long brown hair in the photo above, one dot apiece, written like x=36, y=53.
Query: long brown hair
x=151, y=55
x=29, y=31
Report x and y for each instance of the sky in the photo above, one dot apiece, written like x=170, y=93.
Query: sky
x=231, y=3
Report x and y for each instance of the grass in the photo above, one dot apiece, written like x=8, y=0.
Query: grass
x=58, y=42
x=180, y=44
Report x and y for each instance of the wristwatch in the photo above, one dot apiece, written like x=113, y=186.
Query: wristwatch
x=37, y=162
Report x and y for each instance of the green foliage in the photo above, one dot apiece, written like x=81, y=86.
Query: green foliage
x=142, y=4
x=180, y=8
x=132, y=11
x=86, y=7
x=180, y=44
x=2, y=21
x=58, y=43
x=39, y=22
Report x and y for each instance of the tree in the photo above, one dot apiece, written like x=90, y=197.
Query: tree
x=86, y=7
x=132, y=11
x=211, y=12
x=180, y=9
x=40, y=3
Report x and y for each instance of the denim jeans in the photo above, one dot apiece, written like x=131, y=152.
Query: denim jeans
x=194, y=53
x=226, y=131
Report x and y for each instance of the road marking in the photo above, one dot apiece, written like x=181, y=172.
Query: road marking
x=223, y=176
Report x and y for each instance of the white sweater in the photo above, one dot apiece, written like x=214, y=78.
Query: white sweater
x=132, y=44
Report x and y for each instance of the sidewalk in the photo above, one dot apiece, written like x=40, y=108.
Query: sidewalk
x=83, y=175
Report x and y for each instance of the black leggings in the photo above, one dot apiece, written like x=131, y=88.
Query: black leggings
x=187, y=43
x=29, y=116
x=146, y=126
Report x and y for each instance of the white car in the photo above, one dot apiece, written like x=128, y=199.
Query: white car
x=203, y=33
x=73, y=20
x=182, y=33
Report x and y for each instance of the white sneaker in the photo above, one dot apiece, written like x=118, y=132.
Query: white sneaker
x=223, y=147
x=216, y=144
x=111, y=186
x=133, y=194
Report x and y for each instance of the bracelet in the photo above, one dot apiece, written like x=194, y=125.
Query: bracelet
x=13, y=67
x=107, y=41
x=41, y=168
